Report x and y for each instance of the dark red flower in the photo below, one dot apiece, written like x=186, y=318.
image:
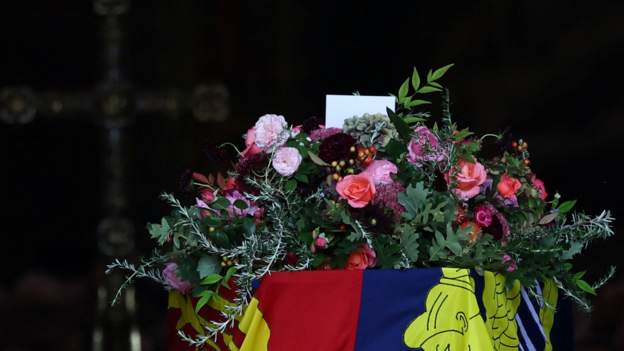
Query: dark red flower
x=310, y=124
x=336, y=147
x=246, y=165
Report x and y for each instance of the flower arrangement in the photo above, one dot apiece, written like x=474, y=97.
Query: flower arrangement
x=406, y=189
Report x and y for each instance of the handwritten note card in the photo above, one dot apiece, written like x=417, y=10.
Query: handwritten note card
x=340, y=107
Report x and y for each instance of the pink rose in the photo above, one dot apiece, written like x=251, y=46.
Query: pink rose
x=286, y=161
x=357, y=189
x=424, y=146
x=483, y=215
x=508, y=186
x=538, y=184
x=468, y=179
x=510, y=263
x=296, y=130
x=250, y=144
x=269, y=132
x=362, y=258
x=172, y=279
x=206, y=195
x=321, y=242
x=380, y=171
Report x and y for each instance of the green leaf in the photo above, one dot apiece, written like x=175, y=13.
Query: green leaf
x=211, y=279
x=583, y=285
x=566, y=206
x=414, y=200
x=220, y=203
x=317, y=160
x=211, y=221
x=436, y=84
x=404, y=130
x=549, y=218
x=207, y=265
x=409, y=242
x=455, y=248
x=428, y=89
x=403, y=90
x=302, y=178
x=395, y=148
x=228, y=275
x=429, y=76
x=160, y=231
x=413, y=119
x=290, y=185
x=575, y=248
x=417, y=102
x=415, y=79
x=240, y=204
x=579, y=275
x=203, y=300
x=249, y=226
x=440, y=72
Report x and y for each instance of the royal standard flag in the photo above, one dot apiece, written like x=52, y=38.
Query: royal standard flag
x=437, y=309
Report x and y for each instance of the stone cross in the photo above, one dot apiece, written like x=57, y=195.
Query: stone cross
x=112, y=104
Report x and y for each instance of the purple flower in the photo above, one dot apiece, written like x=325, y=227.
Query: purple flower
x=486, y=186
x=511, y=201
x=424, y=146
x=387, y=197
x=173, y=280
x=234, y=211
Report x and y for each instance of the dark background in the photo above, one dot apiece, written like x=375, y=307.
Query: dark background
x=549, y=71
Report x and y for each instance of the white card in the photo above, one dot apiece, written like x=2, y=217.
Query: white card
x=340, y=107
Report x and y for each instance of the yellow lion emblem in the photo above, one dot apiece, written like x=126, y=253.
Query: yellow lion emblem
x=452, y=320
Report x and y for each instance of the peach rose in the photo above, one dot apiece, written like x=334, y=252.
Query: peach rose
x=508, y=186
x=469, y=179
x=357, y=189
x=362, y=258
x=475, y=230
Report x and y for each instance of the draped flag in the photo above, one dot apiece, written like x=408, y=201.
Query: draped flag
x=432, y=309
